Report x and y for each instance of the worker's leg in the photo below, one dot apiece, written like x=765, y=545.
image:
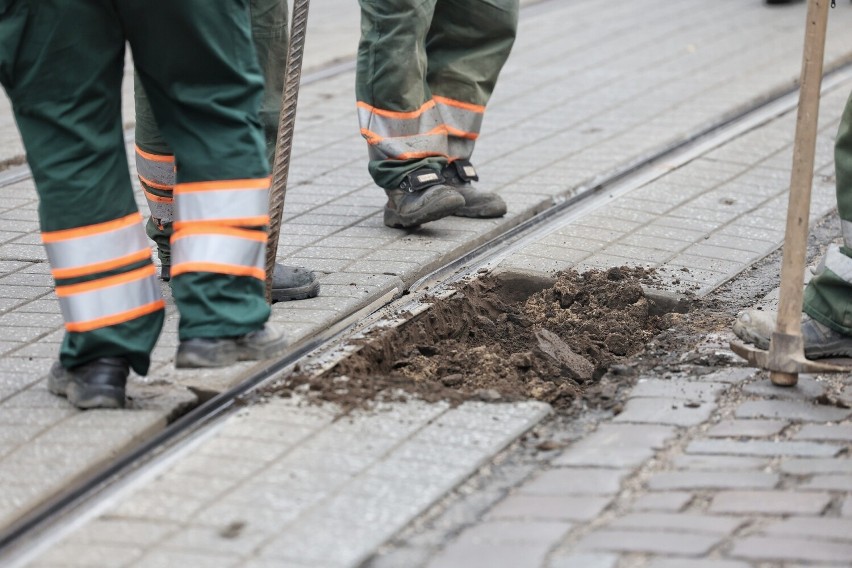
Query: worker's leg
x=62, y=68
x=207, y=107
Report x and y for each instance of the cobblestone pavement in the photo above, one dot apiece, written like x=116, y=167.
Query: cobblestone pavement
x=587, y=90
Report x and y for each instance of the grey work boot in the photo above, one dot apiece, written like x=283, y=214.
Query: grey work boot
x=288, y=282
x=483, y=204
x=97, y=384
x=223, y=351
x=756, y=326
x=420, y=198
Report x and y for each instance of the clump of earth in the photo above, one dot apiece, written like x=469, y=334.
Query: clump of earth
x=501, y=339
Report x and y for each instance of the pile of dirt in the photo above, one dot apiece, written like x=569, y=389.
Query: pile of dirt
x=493, y=340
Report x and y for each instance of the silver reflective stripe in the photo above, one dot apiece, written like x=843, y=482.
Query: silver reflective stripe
x=222, y=204
x=838, y=263
x=459, y=148
x=846, y=228
x=162, y=211
x=97, y=248
x=222, y=249
x=159, y=172
x=408, y=147
x=461, y=119
x=391, y=127
x=109, y=301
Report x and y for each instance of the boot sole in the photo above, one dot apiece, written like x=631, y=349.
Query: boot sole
x=444, y=207
x=227, y=354
x=483, y=212
x=88, y=396
x=297, y=293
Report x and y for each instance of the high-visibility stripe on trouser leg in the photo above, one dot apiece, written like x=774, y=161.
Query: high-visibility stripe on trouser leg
x=218, y=249
x=235, y=203
x=111, y=300
x=156, y=174
x=828, y=296
x=398, y=135
x=463, y=122
x=96, y=248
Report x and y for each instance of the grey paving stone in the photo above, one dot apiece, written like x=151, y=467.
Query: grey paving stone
x=677, y=389
x=508, y=531
x=654, y=542
x=787, y=549
x=806, y=389
x=762, y=448
x=846, y=509
x=172, y=558
x=694, y=563
x=461, y=553
x=678, y=522
x=791, y=410
x=583, y=560
x=747, y=428
x=835, y=432
x=818, y=528
x=664, y=501
x=834, y=482
x=769, y=502
x=805, y=466
x=712, y=480
x=575, y=481
x=616, y=445
x=74, y=555
x=718, y=462
x=665, y=411
x=548, y=507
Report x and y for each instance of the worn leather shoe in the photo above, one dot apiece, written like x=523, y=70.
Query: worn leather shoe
x=202, y=352
x=421, y=197
x=97, y=384
x=288, y=282
x=757, y=326
x=482, y=204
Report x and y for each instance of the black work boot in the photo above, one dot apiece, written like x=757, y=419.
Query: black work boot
x=483, y=204
x=288, y=282
x=97, y=384
x=222, y=351
x=420, y=198
x=820, y=341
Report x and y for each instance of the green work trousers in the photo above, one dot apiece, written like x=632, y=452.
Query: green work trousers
x=425, y=71
x=828, y=296
x=61, y=63
x=269, y=35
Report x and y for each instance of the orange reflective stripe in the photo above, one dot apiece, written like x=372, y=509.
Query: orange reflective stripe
x=158, y=198
x=230, y=185
x=398, y=114
x=232, y=269
x=459, y=104
x=412, y=155
x=202, y=229
x=115, y=319
x=154, y=184
x=65, y=234
x=138, y=274
x=373, y=138
x=236, y=222
x=461, y=133
x=101, y=266
x=155, y=157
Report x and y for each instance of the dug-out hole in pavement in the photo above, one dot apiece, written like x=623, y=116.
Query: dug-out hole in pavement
x=502, y=338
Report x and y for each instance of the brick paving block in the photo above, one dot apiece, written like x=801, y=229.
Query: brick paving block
x=835, y=482
x=747, y=428
x=666, y=501
x=240, y=542
x=654, y=542
x=677, y=389
x=804, y=466
x=818, y=528
x=172, y=558
x=762, y=448
x=541, y=507
x=665, y=411
x=461, y=553
x=770, y=502
x=787, y=549
x=712, y=480
x=835, y=432
x=575, y=481
x=72, y=555
x=694, y=563
x=583, y=560
x=718, y=462
x=508, y=531
x=791, y=410
x=806, y=389
x=678, y=522
x=616, y=445
x=846, y=508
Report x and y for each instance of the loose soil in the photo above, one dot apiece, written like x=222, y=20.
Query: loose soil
x=504, y=338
